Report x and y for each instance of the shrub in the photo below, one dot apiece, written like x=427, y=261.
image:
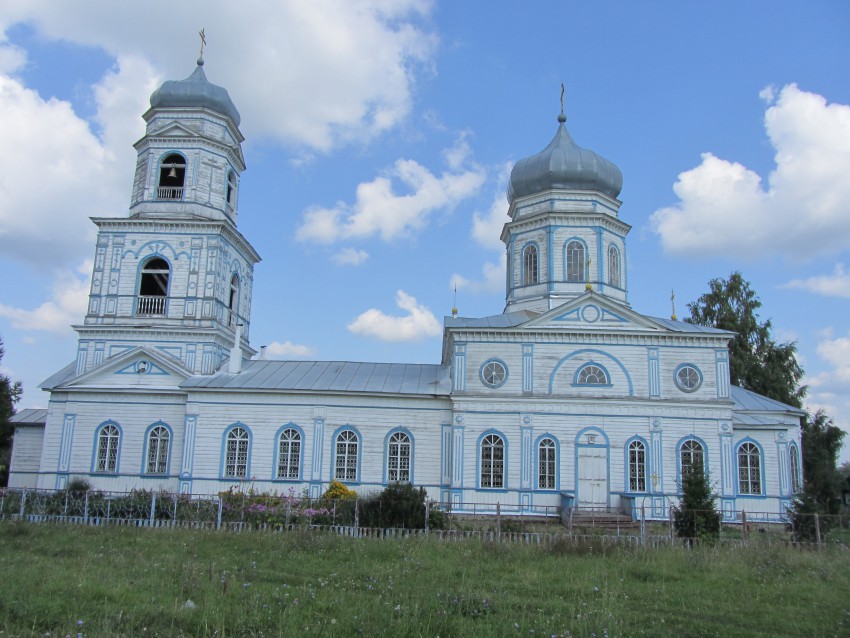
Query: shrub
x=697, y=517
x=804, y=526
x=338, y=492
x=399, y=505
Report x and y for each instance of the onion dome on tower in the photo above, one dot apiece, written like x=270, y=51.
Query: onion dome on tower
x=195, y=91
x=566, y=166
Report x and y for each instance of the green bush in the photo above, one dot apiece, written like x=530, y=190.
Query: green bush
x=399, y=505
x=696, y=517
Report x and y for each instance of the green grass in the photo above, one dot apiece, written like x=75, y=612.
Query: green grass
x=136, y=582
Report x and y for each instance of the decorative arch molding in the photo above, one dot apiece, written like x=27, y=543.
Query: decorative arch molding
x=156, y=248
x=594, y=431
x=576, y=353
x=412, y=442
x=277, y=436
x=147, y=451
x=118, y=435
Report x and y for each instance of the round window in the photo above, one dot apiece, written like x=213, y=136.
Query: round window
x=494, y=373
x=688, y=378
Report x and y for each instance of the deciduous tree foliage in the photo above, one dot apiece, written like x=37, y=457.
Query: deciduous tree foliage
x=821, y=446
x=756, y=361
x=9, y=394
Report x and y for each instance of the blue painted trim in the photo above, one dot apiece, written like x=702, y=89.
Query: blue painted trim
x=646, y=465
x=358, y=476
x=97, y=432
x=592, y=385
x=222, y=467
x=762, y=486
x=689, y=437
x=613, y=248
x=585, y=276
x=276, y=454
x=525, y=247
x=481, y=373
x=146, y=449
x=592, y=351
x=676, y=377
x=409, y=435
x=793, y=450
x=537, y=442
x=504, y=462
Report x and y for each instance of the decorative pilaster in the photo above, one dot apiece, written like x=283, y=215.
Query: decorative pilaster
x=65, y=444
x=721, y=359
x=654, y=373
x=528, y=368
x=727, y=471
x=189, y=433
x=319, y=416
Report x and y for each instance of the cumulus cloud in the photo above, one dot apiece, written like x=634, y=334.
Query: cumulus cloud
x=835, y=285
x=492, y=278
x=724, y=208
x=288, y=350
x=350, y=257
x=419, y=322
x=68, y=305
x=379, y=209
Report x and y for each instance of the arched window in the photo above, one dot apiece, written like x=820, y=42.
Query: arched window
x=153, y=287
x=236, y=453
x=398, y=458
x=492, y=462
x=592, y=374
x=691, y=456
x=749, y=469
x=346, y=456
x=172, y=177
x=106, y=459
x=794, y=462
x=637, y=466
x=231, y=190
x=546, y=464
x=158, y=440
x=529, y=265
x=613, y=266
x=575, y=261
x=233, y=302
x=289, y=454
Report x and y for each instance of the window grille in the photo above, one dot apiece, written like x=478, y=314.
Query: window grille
x=492, y=462
x=107, y=449
x=289, y=454
x=346, y=456
x=749, y=469
x=575, y=261
x=236, y=453
x=691, y=454
x=529, y=266
x=613, y=267
x=398, y=458
x=158, y=441
x=546, y=464
x=637, y=466
x=592, y=375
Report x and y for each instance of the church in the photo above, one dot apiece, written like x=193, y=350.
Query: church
x=567, y=398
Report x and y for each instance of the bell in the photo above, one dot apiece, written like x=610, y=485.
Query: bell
x=172, y=174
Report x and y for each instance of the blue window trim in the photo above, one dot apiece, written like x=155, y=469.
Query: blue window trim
x=140, y=267
x=525, y=246
x=276, y=455
x=537, y=442
x=97, y=432
x=762, y=486
x=235, y=273
x=337, y=432
x=481, y=373
x=585, y=274
x=679, y=443
x=478, y=448
x=161, y=160
x=676, y=377
x=612, y=247
x=222, y=467
x=794, y=451
x=602, y=353
x=576, y=383
x=409, y=434
x=646, y=464
x=146, y=450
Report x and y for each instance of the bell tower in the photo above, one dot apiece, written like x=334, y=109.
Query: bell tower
x=176, y=274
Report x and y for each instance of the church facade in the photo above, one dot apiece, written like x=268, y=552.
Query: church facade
x=569, y=397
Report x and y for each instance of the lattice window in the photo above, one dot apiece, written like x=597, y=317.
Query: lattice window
x=613, y=266
x=346, y=456
x=398, y=458
x=158, y=441
x=529, y=265
x=575, y=261
x=592, y=375
x=236, y=453
x=691, y=455
x=494, y=373
x=637, y=466
x=289, y=454
x=546, y=464
x=749, y=469
x=107, y=449
x=492, y=462
x=794, y=461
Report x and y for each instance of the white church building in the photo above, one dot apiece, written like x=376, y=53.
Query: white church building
x=568, y=397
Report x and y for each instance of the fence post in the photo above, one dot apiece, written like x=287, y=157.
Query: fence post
x=218, y=518
x=174, y=497
x=427, y=515
x=153, y=508
x=65, y=511
x=288, y=512
x=744, y=532
x=670, y=523
x=108, y=507
x=643, y=523
x=86, y=508
x=817, y=530
x=499, y=520
x=570, y=523
x=23, y=501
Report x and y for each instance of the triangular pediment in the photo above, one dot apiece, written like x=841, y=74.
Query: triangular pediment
x=592, y=311
x=135, y=368
x=175, y=129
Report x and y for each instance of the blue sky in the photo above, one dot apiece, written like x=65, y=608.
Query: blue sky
x=379, y=140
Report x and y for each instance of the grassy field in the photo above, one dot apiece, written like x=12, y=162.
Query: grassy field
x=65, y=581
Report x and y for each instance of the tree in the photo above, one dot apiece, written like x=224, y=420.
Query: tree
x=756, y=361
x=9, y=394
x=696, y=517
x=821, y=445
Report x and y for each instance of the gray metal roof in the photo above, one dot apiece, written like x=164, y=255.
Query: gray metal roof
x=30, y=416
x=684, y=326
x=505, y=320
x=195, y=90
x=60, y=377
x=749, y=401
x=331, y=376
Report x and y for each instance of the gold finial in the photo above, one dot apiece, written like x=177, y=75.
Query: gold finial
x=203, y=42
x=673, y=304
x=454, y=305
x=587, y=286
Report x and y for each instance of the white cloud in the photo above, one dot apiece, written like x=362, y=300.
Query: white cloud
x=288, y=349
x=830, y=389
x=487, y=227
x=70, y=298
x=419, y=322
x=380, y=210
x=492, y=279
x=350, y=257
x=803, y=210
x=835, y=285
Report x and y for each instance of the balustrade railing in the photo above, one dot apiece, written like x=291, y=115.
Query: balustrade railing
x=150, y=305
x=169, y=192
